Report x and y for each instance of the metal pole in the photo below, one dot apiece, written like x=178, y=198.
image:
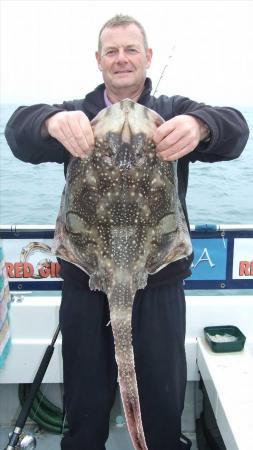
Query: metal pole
x=21, y=420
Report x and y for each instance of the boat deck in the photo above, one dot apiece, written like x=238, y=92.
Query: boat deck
x=118, y=439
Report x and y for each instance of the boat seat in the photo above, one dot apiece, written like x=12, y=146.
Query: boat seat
x=228, y=379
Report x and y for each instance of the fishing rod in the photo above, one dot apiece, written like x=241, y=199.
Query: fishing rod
x=165, y=67
x=29, y=442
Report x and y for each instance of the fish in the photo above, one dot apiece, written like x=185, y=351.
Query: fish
x=121, y=220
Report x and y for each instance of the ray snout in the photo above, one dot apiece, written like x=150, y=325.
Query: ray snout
x=126, y=118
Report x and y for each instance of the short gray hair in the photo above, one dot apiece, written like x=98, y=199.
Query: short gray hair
x=122, y=20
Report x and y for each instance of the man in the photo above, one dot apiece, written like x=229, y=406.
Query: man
x=191, y=132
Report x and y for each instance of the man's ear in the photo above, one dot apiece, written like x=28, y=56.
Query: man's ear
x=98, y=58
x=149, y=54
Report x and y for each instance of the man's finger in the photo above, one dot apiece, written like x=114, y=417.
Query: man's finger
x=176, y=154
x=163, y=130
x=78, y=136
x=70, y=142
x=172, y=140
x=73, y=130
x=87, y=130
x=175, y=148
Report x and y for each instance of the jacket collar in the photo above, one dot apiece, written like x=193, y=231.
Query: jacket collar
x=94, y=101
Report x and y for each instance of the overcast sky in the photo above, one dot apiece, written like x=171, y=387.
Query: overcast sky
x=47, y=48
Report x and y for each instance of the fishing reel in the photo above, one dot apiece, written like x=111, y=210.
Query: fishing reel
x=25, y=441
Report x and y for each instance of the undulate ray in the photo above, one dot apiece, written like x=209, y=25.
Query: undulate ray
x=120, y=219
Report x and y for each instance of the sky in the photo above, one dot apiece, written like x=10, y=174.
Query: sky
x=48, y=47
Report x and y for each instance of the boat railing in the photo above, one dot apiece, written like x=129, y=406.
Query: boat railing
x=222, y=257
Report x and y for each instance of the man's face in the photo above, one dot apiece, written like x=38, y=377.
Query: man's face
x=123, y=59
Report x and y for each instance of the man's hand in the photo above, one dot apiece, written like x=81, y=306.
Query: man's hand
x=179, y=136
x=73, y=130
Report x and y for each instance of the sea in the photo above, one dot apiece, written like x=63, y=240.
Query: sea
x=219, y=193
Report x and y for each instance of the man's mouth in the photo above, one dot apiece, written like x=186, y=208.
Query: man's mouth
x=123, y=71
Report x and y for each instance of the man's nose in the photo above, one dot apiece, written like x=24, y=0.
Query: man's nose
x=121, y=55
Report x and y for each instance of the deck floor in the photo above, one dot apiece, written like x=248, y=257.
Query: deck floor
x=118, y=439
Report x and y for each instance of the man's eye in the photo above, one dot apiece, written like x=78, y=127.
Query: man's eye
x=132, y=50
x=110, y=52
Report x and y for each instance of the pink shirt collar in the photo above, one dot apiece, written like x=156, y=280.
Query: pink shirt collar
x=107, y=101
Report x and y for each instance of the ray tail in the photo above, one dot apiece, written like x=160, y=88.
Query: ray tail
x=120, y=301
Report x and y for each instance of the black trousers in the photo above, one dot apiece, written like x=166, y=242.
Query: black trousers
x=90, y=371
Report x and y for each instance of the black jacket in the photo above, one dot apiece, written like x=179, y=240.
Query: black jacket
x=229, y=134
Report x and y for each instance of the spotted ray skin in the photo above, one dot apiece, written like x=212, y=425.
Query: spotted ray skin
x=120, y=220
